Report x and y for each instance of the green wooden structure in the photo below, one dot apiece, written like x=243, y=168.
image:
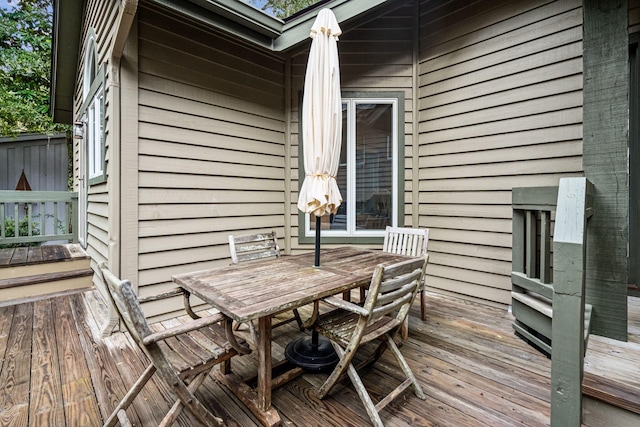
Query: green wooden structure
x=575, y=206
x=38, y=216
x=532, y=275
x=548, y=278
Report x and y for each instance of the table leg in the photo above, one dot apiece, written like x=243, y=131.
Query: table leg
x=264, y=363
x=257, y=400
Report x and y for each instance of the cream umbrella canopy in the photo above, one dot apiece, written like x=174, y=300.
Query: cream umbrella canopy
x=321, y=123
x=321, y=141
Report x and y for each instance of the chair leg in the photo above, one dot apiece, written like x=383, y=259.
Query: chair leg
x=405, y=367
x=252, y=329
x=404, y=331
x=187, y=398
x=364, y=396
x=341, y=367
x=131, y=394
x=423, y=305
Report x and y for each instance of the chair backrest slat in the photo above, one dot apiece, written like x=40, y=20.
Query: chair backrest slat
x=250, y=247
x=406, y=241
x=393, y=288
x=127, y=304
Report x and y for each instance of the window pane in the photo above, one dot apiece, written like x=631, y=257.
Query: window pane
x=374, y=166
x=94, y=136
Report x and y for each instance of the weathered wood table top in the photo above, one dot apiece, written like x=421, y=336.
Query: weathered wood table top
x=250, y=291
x=259, y=290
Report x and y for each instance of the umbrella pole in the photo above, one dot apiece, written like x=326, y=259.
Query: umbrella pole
x=317, y=259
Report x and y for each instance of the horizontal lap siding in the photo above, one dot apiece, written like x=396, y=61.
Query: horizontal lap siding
x=101, y=16
x=500, y=106
x=211, y=146
x=375, y=56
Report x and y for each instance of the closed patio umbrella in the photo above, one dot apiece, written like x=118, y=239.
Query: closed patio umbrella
x=321, y=141
x=321, y=123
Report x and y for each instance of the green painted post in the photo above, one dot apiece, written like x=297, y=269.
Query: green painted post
x=569, y=253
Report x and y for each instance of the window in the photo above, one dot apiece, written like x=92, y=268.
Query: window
x=95, y=131
x=370, y=169
x=92, y=112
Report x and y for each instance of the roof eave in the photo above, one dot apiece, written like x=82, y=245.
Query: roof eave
x=232, y=16
x=257, y=27
x=64, y=57
x=296, y=31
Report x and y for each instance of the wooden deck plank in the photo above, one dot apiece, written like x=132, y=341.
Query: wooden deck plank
x=52, y=253
x=80, y=404
x=19, y=256
x=35, y=255
x=16, y=369
x=46, y=407
x=105, y=376
x=6, y=315
x=5, y=257
x=155, y=399
x=473, y=369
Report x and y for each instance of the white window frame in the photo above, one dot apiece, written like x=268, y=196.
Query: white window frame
x=351, y=234
x=92, y=111
x=95, y=132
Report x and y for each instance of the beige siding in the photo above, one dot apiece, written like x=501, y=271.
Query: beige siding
x=375, y=56
x=500, y=106
x=99, y=16
x=211, y=146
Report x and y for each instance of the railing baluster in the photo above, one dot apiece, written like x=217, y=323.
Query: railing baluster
x=2, y=227
x=29, y=219
x=545, y=246
x=55, y=218
x=530, y=243
x=16, y=220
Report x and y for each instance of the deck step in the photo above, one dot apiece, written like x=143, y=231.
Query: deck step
x=25, y=287
x=30, y=261
x=612, y=392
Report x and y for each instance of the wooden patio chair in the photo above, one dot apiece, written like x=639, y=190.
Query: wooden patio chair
x=391, y=292
x=251, y=247
x=411, y=242
x=182, y=356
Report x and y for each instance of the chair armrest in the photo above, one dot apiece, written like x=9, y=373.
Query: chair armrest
x=184, y=328
x=175, y=292
x=346, y=305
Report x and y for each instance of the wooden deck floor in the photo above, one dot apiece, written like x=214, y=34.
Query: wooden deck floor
x=56, y=371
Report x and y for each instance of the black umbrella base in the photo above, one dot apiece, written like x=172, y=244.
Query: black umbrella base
x=310, y=355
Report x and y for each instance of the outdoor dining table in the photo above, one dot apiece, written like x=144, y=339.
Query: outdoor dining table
x=262, y=289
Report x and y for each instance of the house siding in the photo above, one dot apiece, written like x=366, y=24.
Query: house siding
x=493, y=99
x=99, y=16
x=211, y=146
x=500, y=106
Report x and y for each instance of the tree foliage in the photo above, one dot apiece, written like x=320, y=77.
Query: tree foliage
x=25, y=67
x=282, y=8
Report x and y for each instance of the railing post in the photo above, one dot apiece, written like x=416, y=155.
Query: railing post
x=568, y=337
x=73, y=214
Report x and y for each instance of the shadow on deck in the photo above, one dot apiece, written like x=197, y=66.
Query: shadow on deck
x=56, y=371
